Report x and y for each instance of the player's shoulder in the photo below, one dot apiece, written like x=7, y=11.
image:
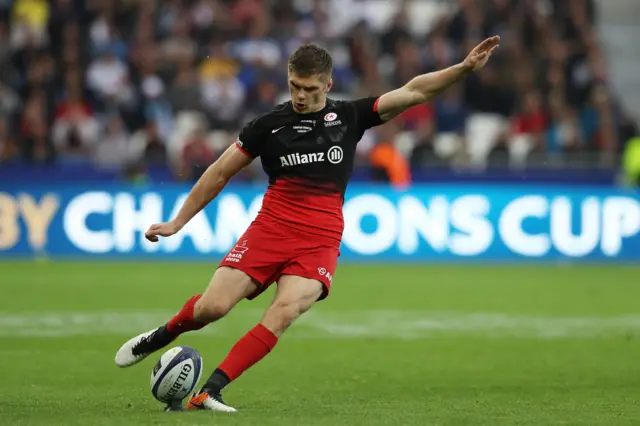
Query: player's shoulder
x=339, y=107
x=278, y=113
x=351, y=103
x=352, y=107
x=266, y=122
x=258, y=127
x=336, y=104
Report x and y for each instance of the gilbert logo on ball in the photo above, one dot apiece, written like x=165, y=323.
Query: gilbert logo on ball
x=176, y=374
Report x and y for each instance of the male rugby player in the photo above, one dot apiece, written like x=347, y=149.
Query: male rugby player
x=307, y=149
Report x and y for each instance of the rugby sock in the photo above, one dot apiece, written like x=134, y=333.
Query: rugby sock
x=183, y=321
x=216, y=382
x=254, y=346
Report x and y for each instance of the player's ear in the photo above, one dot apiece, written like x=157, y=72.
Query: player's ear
x=329, y=85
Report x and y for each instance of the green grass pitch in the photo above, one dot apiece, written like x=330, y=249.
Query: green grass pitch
x=392, y=345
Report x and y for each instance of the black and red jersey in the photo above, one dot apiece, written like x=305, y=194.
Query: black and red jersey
x=309, y=160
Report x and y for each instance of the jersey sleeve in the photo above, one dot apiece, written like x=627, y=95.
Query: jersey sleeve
x=250, y=140
x=367, y=115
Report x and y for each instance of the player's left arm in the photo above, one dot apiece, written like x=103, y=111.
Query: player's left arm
x=426, y=87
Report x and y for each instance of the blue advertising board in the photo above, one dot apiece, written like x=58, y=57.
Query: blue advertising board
x=431, y=223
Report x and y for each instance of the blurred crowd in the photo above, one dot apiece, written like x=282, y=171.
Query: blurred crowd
x=132, y=84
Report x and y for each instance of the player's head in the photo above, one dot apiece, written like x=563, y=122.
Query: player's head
x=310, y=68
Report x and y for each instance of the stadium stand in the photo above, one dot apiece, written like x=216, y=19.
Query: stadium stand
x=110, y=90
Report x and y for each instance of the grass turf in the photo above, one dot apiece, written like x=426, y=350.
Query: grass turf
x=392, y=345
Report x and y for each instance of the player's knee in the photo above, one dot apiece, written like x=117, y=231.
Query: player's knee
x=210, y=311
x=281, y=315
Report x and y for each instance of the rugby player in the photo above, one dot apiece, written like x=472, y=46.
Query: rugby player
x=307, y=148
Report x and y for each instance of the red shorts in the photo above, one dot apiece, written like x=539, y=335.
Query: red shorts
x=266, y=251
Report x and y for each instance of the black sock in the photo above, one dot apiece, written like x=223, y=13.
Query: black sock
x=216, y=382
x=166, y=333
x=164, y=336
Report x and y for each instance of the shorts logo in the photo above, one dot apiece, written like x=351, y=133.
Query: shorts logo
x=235, y=255
x=331, y=116
x=324, y=273
x=335, y=154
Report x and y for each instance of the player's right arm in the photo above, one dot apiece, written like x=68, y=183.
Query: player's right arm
x=210, y=184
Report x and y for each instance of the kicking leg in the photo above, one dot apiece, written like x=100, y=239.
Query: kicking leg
x=227, y=287
x=294, y=296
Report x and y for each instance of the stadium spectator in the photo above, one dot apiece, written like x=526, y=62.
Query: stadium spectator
x=75, y=127
x=35, y=142
x=8, y=148
x=29, y=23
x=108, y=78
x=528, y=128
x=450, y=121
x=9, y=101
x=113, y=150
x=147, y=146
x=197, y=155
x=631, y=161
x=389, y=164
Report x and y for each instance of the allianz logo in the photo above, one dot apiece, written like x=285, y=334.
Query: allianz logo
x=334, y=155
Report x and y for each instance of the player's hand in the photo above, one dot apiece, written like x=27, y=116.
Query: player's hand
x=166, y=229
x=481, y=53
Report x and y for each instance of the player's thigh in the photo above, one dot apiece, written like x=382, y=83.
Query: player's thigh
x=227, y=287
x=294, y=296
x=318, y=263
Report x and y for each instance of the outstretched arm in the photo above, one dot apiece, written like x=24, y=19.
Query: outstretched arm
x=210, y=184
x=425, y=87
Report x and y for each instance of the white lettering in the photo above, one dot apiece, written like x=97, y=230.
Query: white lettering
x=530, y=226
x=297, y=159
x=75, y=222
x=474, y=233
x=561, y=227
x=383, y=237
x=620, y=219
x=510, y=226
x=127, y=221
x=415, y=219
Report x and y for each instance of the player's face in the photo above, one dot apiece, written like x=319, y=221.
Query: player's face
x=308, y=94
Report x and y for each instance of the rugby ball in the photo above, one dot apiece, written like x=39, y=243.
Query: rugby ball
x=176, y=374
